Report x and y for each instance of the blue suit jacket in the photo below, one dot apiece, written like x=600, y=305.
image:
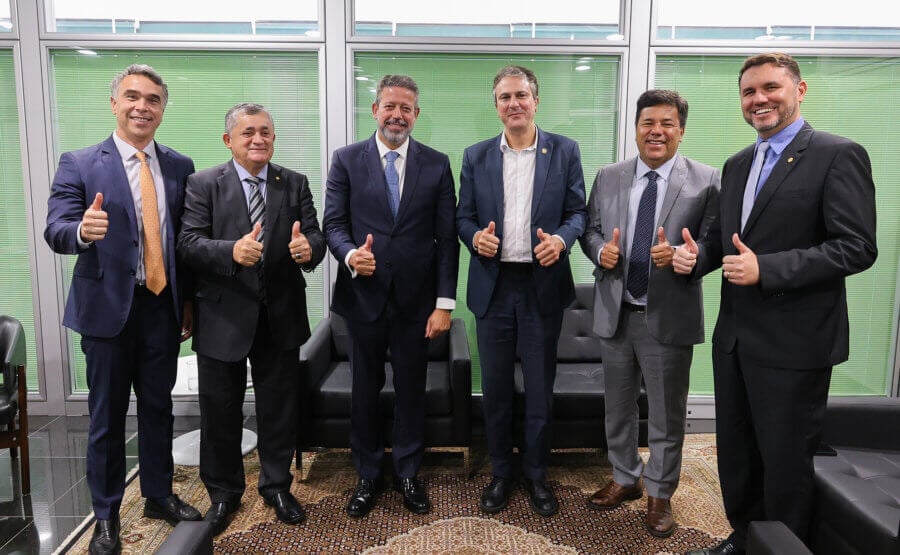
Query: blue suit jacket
x=558, y=207
x=103, y=280
x=416, y=253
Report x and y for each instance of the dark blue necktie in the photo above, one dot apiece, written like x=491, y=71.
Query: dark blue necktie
x=393, y=180
x=639, y=261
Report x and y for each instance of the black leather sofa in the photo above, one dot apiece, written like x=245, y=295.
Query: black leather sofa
x=325, y=403
x=857, y=508
x=578, y=393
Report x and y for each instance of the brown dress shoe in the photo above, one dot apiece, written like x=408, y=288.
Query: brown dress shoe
x=659, y=517
x=612, y=495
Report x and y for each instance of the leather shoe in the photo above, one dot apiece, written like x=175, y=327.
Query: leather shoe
x=287, y=508
x=415, y=498
x=171, y=509
x=495, y=496
x=612, y=494
x=105, y=539
x=363, y=497
x=659, y=519
x=219, y=516
x=541, y=498
x=727, y=547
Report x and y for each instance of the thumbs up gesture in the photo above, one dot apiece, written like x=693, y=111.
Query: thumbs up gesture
x=662, y=252
x=95, y=221
x=487, y=244
x=685, y=257
x=363, y=259
x=247, y=250
x=548, y=248
x=299, y=246
x=741, y=268
x=609, y=256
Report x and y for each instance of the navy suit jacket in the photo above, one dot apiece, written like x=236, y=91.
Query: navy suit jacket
x=813, y=224
x=104, y=276
x=558, y=207
x=416, y=253
x=226, y=297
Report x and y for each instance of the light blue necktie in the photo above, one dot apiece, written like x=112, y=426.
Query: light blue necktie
x=752, y=189
x=393, y=180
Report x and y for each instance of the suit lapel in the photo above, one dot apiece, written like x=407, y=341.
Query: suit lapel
x=119, y=191
x=274, y=199
x=541, y=169
x=623, y=190
x=733, y=194
x=494, y=163
x=167, y=167
x=410, y=177
x=377, y=181
x=677, y=179
x=233, y=196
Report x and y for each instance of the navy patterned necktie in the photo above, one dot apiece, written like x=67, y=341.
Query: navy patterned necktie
x=639, y=261
x=257, y=207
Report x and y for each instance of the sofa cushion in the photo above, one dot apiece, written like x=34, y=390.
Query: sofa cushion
x=859, y=496
x=333, y=397
x=577, y=391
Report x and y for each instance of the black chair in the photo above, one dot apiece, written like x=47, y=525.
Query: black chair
x=578, y=393
x=14, y=396
x=325, y=401
x=771, y=537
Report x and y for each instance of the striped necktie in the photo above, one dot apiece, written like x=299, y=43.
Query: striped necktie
x=257, y=206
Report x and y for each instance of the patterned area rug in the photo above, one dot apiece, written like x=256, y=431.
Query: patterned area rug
x=455, y=524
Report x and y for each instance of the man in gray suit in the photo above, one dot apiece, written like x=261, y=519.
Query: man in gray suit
x=648, y=317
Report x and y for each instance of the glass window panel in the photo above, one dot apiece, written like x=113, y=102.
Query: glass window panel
x=6, y=25
x=458, y=111
x=716, y=130
x=565, y=19
x=202, y=87
x=264, y=17
x=804, y=20
x=15, y=272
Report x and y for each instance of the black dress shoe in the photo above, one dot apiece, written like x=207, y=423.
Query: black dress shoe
x=287, y=508
x=363, y=497
x=219, y=516
x=171, y=509
x=495, y=496
x=727, y=547
x=541, y=497
x=105, y=539
x=415, y=498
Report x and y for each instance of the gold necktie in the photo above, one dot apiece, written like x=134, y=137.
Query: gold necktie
x=154, y=267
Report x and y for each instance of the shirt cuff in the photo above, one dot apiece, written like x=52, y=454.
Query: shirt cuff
x=563, y=241
x=347, y=262
x=445, y=303
x=81, y=244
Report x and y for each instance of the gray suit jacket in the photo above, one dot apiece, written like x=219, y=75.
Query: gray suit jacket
x=674, y=302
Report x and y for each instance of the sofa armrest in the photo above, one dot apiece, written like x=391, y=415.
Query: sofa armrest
x=188, y=538
x=770, y=537
x=863, y=422
x=315, y=355
x=460, y=381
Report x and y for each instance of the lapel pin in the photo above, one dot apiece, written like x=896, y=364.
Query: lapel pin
x=543, y=151
x=791, y=159
x=277, y=178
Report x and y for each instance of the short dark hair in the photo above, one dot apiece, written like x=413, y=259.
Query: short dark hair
x=657, y=97
x=244, y=108
x=515, y=71
x=778, y=59
x=139, y=69
x=402, y=81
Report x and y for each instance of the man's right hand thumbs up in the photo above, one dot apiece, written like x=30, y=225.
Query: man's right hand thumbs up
x=247, y=250
x=609, y=256
x=95, y=221
x=487, y=244
x=363, y=260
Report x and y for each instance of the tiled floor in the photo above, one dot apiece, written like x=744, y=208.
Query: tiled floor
x=59, y=500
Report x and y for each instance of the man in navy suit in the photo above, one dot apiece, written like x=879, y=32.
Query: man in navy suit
x=797, y=216
x=521, y=210
x=388, y=221
x=125, y=299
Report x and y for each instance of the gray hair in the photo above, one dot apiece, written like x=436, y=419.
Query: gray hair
x=516, y=71
x=402, y=81
x=244, y=109
x=139, y=69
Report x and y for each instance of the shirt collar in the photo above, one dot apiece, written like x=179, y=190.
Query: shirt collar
x=244, y=174
x=127, y=151
x=779, y=141
x=504, y=146
x=384, y=149
x=664, y=170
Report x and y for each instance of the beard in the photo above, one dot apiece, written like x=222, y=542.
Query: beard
x=395, y=137
x=787, y=115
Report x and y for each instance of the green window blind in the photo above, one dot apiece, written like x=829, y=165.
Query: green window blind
x=202, y=87
x=458, y=111
x=15, y=272
x=841, y=96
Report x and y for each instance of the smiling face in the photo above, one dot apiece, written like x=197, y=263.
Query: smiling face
x=516, y=105
x=770, y=98
x=252, y=141
x=658, y=134
x=138, y=107
x=396, y=114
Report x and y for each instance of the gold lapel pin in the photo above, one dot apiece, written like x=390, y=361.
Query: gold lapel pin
x=791, y=159
x=543, y=151
x=277, y=178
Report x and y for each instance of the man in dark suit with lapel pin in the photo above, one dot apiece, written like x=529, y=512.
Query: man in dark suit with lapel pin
x=648, y=318
x=389, y=223
x=521, y=209
x=249, y=232
x=797, y=217
x=125, y=299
